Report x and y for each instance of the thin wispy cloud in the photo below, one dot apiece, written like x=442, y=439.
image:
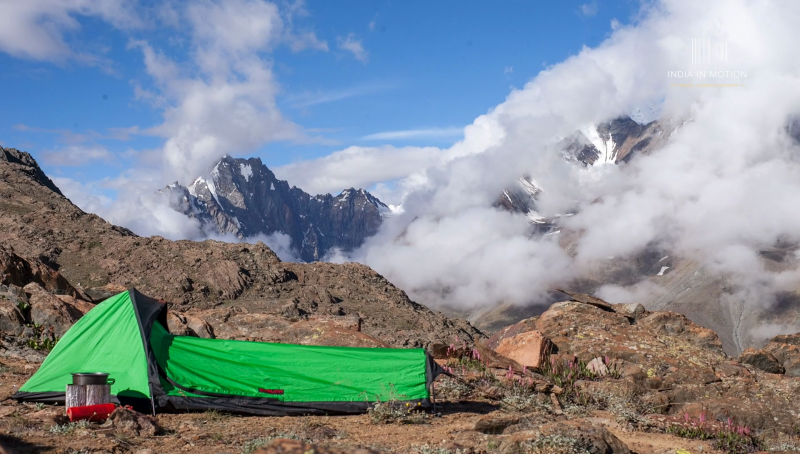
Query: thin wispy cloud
x=75, y=156
x=323, y=97
x=65, y=135
x=71, y=137
x=426, y=133
x=353, y=44
x=589, y=9
x=373, y=23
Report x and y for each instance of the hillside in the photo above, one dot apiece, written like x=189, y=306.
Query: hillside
x=42, y=226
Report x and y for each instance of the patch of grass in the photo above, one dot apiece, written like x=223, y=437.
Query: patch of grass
x=565, y=373
x=216, y=436
x=393, y=411
x=252, y=446
x=729, y=438
x=215, y=415
x=41, y=341
x=448, y=388
x=553, y=444
x=17, y=423
x=428, y=449
x=519, y=399
x=68, y=428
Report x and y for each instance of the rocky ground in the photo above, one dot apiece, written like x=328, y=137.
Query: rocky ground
x=610, y=379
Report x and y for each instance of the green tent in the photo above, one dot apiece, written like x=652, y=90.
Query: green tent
x=127, y=337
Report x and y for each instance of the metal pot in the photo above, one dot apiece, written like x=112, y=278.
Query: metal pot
x=91, y=378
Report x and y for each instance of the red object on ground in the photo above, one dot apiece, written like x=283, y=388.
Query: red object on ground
x=91, y=412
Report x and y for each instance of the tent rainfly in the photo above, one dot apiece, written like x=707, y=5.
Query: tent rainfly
x=155, y=371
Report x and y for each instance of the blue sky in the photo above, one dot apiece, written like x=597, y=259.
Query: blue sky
x=373, y=74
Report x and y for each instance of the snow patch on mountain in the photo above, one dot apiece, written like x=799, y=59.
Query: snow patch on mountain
x=246, y=171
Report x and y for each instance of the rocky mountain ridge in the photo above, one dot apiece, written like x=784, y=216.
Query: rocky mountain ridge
x=243, y=197
x=75, y=253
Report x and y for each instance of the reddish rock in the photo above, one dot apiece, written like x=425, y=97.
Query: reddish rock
x=79, y=305
x=529, y=348
x=529, y=324
x=199, y=327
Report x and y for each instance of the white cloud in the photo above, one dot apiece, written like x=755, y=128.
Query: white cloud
x=426, y=133
x=223, y=100
x=359, y=167
x=719, y=189
x=508, y=70
x=35, y=29
x=589, y=9
x=306, y=40
x=353, y=45
x=77, y=156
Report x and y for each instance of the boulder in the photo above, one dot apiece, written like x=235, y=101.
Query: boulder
x=598, y=367
x=200, y=327
x=100, y=294
x=675, y=324
x=495, y=360
x=49, y=311
x=15, y=270
x=529, y=324
x=565, y=436
x=631, y=310
x=133, y=424
x=529, y=349
x=786, y=349
x=588, y=299
x=176, y=324
x=495, y=423
x=11, y=319
x=78, y=305
x=761, y=360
